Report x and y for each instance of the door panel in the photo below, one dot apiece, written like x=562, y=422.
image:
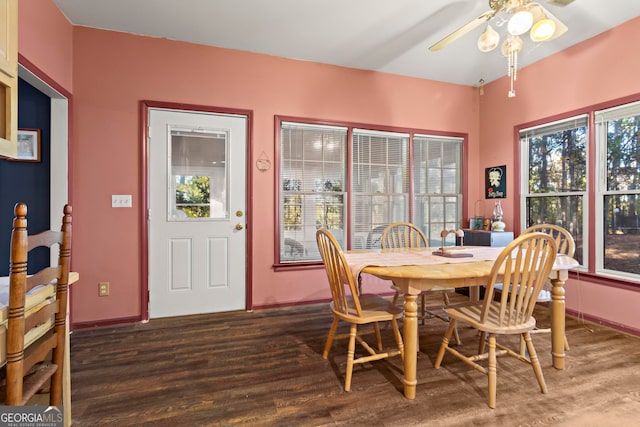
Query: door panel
x=197, y=250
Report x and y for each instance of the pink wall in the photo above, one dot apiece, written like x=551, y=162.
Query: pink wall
x=114, y=71
x=598, y=70
x=45, y=39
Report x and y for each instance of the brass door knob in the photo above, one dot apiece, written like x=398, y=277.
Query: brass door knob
x=239, y=226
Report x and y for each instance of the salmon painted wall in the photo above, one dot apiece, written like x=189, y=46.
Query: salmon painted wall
x=601, y=69
x=45, y=39
x=113, y=72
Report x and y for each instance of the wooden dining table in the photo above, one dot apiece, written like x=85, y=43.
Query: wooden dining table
x=417, y=270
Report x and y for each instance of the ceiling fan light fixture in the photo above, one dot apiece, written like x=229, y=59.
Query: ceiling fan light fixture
x=511, y=45
x=520, y=22
x=488, y=40
x=542, y=30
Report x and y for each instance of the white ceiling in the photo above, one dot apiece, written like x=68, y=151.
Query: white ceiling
x=391, y=36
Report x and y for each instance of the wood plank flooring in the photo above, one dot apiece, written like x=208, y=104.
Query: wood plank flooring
x=266, y=369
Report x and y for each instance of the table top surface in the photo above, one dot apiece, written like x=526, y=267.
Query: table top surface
x=422, y=264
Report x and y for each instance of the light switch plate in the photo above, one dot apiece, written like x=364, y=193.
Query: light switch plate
x=121, y=200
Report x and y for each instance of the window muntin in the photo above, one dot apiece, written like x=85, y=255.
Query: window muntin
x=618, y=190
x=554, y=184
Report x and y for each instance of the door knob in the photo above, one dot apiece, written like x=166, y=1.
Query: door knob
x=239, y=226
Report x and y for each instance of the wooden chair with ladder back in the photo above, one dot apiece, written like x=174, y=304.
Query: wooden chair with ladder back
x=523, y=267
x=38, y=366
x=357, y=309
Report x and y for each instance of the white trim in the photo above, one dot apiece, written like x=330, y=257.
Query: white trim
x=59, y=179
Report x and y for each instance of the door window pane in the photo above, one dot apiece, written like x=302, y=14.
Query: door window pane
x=198, y=167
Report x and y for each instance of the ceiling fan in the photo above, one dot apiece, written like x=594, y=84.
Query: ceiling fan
x=519, y=16
x=511, y=9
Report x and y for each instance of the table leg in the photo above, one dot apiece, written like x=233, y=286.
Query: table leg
x=66, y=377
x=557, y=323
x=410, y=345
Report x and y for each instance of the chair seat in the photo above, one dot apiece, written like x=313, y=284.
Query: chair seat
x=470, y=313
x=374, y=309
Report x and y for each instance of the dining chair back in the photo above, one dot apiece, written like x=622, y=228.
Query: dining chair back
x=407, y=235
x=29, y=369
x=522, y=267
x=563, y=238
x=566, y=246
x=374, y=237
x=403, y=235
x=354, y=308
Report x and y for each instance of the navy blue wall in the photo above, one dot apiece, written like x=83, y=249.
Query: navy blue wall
x=27, y=182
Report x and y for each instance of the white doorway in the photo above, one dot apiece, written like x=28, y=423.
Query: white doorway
x=197, y=212
x=59, y=152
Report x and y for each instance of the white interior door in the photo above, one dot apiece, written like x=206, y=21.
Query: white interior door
x=197, y=165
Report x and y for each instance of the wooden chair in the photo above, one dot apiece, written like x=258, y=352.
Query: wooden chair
x=29, y=369
x=567, y=246
x=355, y=309
x=523, y=267
x=407, y=235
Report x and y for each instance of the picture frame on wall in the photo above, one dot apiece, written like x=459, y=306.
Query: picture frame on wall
x=496, y=182
x=29, y=146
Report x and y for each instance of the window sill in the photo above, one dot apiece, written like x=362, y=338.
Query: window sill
x=311, y=265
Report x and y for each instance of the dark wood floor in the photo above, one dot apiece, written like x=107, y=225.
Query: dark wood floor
x=265, y=368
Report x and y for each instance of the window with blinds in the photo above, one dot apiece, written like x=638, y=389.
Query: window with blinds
x=356, y=181
x=312, y=188
x=555, y=176
x=380, y=184
x=437, y=183
x=618, y=189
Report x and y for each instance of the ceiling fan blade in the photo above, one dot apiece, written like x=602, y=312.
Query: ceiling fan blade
x=463, y=30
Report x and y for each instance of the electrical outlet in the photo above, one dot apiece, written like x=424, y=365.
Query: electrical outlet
x=103, y=289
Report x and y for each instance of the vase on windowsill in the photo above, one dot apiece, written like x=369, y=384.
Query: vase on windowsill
x=497, y=224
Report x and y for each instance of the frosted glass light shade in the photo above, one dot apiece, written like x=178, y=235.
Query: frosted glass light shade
x=542, y=30
x=520, y=22
x=488, y=40
x=511, y=45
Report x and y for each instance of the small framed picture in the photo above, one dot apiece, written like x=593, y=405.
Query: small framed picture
x=28, y=145
x=496, y=182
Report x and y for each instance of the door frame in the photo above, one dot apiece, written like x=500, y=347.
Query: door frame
x=61, y=173
x=145, y=105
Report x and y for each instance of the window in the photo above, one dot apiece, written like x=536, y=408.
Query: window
x=554, y=184
x=355, y=181
x=556, y=176
x=380, y=184
x=437, y=182
x=312, y=187
x=197, y=164
x=618, y=189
